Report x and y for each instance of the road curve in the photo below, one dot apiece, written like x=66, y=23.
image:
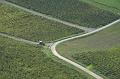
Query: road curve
x=86, y=29
x=53, y=48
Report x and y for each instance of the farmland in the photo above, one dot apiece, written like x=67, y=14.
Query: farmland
x=50, y=21
x=74, y=11
x=111, y=5
x=99, y=52
x=23, y=61
x=25, y=25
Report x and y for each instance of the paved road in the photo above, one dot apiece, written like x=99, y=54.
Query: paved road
x=50, y=17
x=53, y=48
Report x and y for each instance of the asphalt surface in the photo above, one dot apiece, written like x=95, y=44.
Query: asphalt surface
x=53, y=46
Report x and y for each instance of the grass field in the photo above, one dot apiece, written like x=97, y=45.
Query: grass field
x=23, y=61
x=74, y=11
x=25, y=25
x=111, y=5
x=99, y=52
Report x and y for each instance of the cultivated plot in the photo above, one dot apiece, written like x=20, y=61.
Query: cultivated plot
x=23, y=61
x=98, y=52
x=74, y=11
x=25, y=25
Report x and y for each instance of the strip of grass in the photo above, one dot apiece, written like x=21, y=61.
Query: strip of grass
x=73, y=11
x=99, y=52
x=24, y=25
x=110, y=5
x=23, y=61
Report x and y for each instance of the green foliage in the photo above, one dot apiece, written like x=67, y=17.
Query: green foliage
x=22, y=61
x=24, y=25
x=73, y=11
x=110, y=5
x=106, y=62
x=99, y=52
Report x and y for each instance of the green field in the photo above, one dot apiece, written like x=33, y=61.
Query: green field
x=25, y=25
x=99, y=52
x=74, y=11
x=111, y=5
x=23, y=61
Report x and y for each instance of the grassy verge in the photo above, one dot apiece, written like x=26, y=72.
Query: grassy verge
x=98, y=52
x=25, y=25
x=74, y=11
x=23, y=61
x=110, y=5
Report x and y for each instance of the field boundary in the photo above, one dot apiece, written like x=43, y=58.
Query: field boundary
x=86, y=29
x=55, y=53
x=106, y=5
x=53, y=49
x=18, y=39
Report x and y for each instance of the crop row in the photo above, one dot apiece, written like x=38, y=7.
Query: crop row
x=24, y=25
x=107, y=62
x=22, y=61
x=74, y=11
x=99, y=52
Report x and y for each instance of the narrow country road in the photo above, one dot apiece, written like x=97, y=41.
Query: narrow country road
x=53, y=48
x=49, y=17
x=18, y=39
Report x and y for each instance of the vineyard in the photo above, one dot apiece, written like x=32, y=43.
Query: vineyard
x=107, y=62
x=74, y=11
x=23, y=61
x=99, y=52
x=24, y=25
